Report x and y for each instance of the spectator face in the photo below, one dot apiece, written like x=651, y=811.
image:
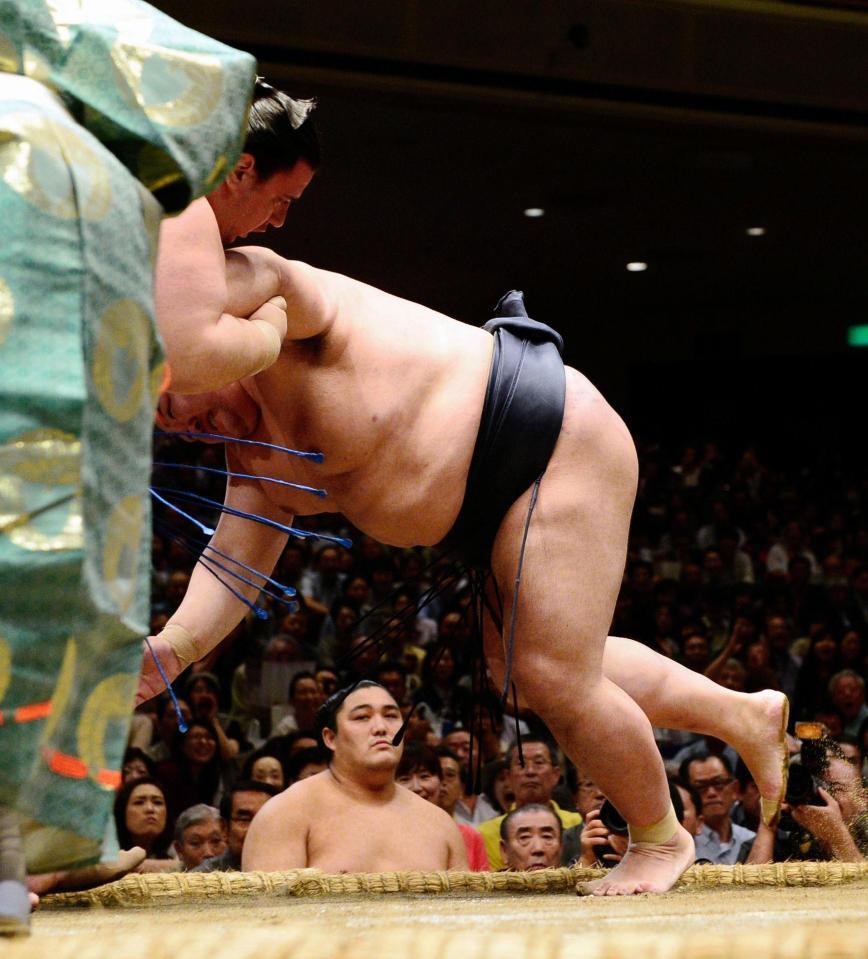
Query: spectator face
x=715, y=786
x=536, y=780
x=696, y=653
x=851, y=648
x=327, y=680
x=168, y=724
x=134, y=769
x=367, y=722
x=458, y=742
x=199, y=745
x=394, y=683
x=732, y=676
x=533, y=841
x=329, y=562
x=267, y=769
x=444, y=667
x=146, y=814
x=201, y=841
x=346, y=621
x=778, y=633
x=844, y=782
x=588, y=796
x=848, y=696
x=450, y=783
x=692, y=820
x=303, y=742
x=295, y=625
x=203, y=699
x=306, y=699
x=245, y=805
x=423, y=782
x=358, y=590
x=825, y=647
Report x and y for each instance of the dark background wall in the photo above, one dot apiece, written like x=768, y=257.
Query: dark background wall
x=655, y=131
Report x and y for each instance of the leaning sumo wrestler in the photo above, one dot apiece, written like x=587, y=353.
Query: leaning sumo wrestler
x=354, y=817
x=434, y=430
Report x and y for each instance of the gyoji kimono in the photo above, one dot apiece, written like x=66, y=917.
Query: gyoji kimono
x=111, y=114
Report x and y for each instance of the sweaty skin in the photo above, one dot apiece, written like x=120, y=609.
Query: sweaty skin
x=353, y=817
x=392, y=393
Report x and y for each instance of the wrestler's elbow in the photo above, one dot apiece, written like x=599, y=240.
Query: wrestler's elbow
x=311, y=304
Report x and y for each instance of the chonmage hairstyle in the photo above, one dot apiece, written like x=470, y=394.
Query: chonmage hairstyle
x=280, y=131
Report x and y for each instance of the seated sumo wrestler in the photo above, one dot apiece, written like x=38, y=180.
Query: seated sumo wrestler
x=354, y=817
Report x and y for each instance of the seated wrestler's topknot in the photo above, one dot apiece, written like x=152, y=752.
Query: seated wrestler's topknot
x=280, y=130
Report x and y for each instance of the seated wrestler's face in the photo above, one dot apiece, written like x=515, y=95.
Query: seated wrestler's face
x=229, y=412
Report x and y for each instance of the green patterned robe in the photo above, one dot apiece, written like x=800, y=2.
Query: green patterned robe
x=110, y=115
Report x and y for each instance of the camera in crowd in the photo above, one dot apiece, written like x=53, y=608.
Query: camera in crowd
x=803, y=780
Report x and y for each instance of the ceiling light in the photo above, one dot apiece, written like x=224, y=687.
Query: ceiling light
x=534, y=212
x=637, y=266
x=756, y=231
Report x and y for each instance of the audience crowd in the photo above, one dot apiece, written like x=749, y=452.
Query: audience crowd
x=755, y=576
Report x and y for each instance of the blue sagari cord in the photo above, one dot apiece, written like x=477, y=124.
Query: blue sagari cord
x=254, y=476
x=292, y=530
x=313, y=457
x=181, y=724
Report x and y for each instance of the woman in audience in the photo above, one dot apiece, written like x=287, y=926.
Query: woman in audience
x=142, y=819
x=264, y=766
x=194, y=773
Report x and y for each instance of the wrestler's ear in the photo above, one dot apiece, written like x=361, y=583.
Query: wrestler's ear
x=244, y=171
x=328, y=738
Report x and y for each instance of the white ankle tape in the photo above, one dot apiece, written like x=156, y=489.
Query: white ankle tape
x=182, y=643
x=658, y=832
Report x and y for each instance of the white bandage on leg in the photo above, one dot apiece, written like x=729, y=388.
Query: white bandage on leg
x=657, y=833
x=182, y=644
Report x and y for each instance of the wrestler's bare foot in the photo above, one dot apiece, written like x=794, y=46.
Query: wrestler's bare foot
x=646, y=867
x=762, y=744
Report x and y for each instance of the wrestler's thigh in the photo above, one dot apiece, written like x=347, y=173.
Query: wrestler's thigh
x=576, y=549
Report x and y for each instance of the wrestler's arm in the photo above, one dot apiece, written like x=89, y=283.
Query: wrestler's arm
x=277, y=837
x=210, y=341
x=209, y=611
x=255, y=273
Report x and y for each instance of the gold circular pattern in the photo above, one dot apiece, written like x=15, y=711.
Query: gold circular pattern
x=63, y=689
x=9, y=60
x=53, y=167
x=174, y=88
x=120, y=562
x=112, y=699
x=121, y=356
x=29, y=463
x=5, y=667
x=7, y=310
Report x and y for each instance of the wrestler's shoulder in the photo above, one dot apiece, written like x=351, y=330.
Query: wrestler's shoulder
x=426, y=811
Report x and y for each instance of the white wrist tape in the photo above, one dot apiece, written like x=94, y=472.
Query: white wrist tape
x=182, y=643
x=272, y=343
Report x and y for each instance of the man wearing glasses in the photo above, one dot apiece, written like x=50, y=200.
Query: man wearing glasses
x=237, y=810
x=533, y=783
x=720, y=841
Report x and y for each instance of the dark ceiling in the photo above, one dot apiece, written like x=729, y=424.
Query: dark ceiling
x=652, y=131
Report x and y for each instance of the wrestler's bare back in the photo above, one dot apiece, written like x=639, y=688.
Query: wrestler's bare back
x=317, y=823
